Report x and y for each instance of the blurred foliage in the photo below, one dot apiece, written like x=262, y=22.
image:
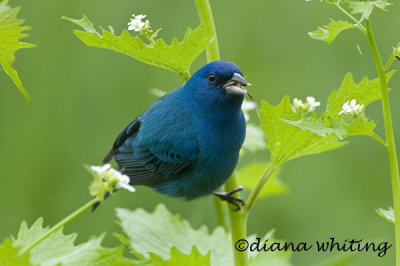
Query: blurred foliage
x=83, y=97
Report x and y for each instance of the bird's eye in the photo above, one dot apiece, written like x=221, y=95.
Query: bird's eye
x=212, y=78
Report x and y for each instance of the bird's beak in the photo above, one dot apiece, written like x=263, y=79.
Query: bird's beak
x=236, y=85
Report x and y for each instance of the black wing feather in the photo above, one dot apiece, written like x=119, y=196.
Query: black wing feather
x=131, y=130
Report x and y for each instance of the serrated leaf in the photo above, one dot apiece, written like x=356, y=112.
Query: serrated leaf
x=255, y=139
x=9, y=255
x=364, y=93
x=387, y=214
x=345, y=125
x=286, y=141
x=159, y=231
x=329, y=32
x=251, y=173
x=178, y=258
x=317, y=126
x=59, y=249
x=153, y=235
x=365, y=8
x=348, y=125
x=177, y=57
x=359, y=126
x=10, y=35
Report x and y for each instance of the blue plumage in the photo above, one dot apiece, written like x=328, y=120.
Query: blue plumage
x=187, y=143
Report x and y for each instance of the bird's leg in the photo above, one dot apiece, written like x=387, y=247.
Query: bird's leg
x=227, y=196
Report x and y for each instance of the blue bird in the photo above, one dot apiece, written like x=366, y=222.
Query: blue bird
x=187, y=143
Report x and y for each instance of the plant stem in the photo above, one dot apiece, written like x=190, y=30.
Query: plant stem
x=259, y=186
x=59, y=225
x=391, y=58
x=391, y=148
x=220, y=210
x=379, y=139
x=212, y=51
x=357, y=23
x=238, y=221
x=206, y=17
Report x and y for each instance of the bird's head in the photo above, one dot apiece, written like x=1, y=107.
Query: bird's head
x=219, y=83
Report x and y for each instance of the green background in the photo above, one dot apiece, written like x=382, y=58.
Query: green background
x=82, y=98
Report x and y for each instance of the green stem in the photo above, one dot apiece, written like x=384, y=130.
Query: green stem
x=357, y=23
x=212, y=51
x=238, y=221
x=379, y=139
x=391, y=58
x=60, y=224
x=220, y=210
x=391, y=148
x=259, y=186
x=206, y=17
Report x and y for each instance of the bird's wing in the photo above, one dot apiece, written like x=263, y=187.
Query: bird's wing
x=131, y=130
x=160, y=153
x=147, y=167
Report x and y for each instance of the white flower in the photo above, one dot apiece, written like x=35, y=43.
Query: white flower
x=101, y=170
x=111, y=177
x=246, y=107
x=123, y=181
x=308, y=106
x=350, y=107
x=312, y=103
x=136, y=23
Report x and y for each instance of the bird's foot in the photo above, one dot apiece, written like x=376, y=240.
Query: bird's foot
x=227, y=196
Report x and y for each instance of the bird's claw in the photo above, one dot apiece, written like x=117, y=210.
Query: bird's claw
x=227, y=196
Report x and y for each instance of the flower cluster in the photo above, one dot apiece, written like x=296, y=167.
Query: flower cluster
x=108, y=179
x=136, y=23
x=308, y=106
x=351, y=107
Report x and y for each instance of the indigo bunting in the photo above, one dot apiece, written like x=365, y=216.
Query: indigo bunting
x=187, y=143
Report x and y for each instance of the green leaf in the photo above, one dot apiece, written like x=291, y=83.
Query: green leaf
x=153, y=237
x=359, y=125
x=347, y=125
x=364, y=92
x=255, y=139
x=178, y=258
x=386, y=214
x=329, y=32
x=10, y=34
x=9, y=255
x=286, y=141
x=159, y=231
x=177, y=57
x=365, y=8
x=251, y=173
x=318, y=126
x=60, y=249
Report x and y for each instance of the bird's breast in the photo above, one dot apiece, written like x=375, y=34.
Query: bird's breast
x=219, y=146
